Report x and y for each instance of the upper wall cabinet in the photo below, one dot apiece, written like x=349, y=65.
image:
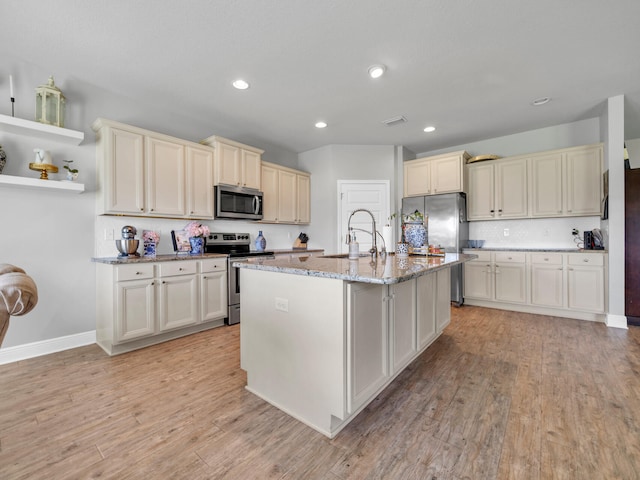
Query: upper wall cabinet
x=286, y=194
x=235, y=163
x=144, y=173
x=558, y=183
x=435, y=175
x=497, y=190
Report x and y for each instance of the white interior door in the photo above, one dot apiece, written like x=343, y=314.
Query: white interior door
x=372, y=195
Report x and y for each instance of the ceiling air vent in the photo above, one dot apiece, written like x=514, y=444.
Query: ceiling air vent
x=390, y=122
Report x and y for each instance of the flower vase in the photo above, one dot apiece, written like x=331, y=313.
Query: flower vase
x=197, y=245
x=261, y=242
x=149, y=249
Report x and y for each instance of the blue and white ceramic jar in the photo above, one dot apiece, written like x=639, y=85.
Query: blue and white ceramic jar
x=197, y=245
x=415, y=234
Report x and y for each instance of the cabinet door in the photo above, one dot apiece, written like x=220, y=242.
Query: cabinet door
x=511, y=189
x=227, y=165
x=287, y=197
x=199, y=183
x=443, y=298
x=417, y=178
x=270, y=194
x=480, y=198
x=165, y=178
x=547, y=285
x=546, y=185
x=178, y=302
x=368, y=342
x=304, y=198
x=251, y=170
x=584, y=185
x=124, y=172
x=426, y=309
x=402, y=324
x=135, y=310
x=586, y=287
x=446, y=174
x=213, y=296
x=510, y=282
x=478, y=280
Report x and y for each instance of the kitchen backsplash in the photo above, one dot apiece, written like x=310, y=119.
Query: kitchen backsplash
x=277, y=236
x=531, y=233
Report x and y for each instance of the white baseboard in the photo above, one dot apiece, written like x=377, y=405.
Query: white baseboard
x=44, y=347
x=616, y=321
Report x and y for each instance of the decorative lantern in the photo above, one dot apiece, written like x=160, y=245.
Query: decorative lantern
x=50, y=104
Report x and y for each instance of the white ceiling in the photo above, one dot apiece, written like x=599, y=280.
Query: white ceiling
x=468, y=67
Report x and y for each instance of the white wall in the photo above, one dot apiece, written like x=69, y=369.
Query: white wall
x=331, y=163
x=633, y=149
x=54, y=235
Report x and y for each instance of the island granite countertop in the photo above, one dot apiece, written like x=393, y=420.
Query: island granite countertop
x=393, y=270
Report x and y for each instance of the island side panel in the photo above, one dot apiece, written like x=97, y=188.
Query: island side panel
x=295, y=359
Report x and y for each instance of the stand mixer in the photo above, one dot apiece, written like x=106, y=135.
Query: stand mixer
x=128, y=244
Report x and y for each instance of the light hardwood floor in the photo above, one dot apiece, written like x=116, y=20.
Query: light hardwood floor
x=500, y=395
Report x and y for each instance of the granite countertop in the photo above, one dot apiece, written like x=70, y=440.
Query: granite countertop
x=559, y=250
x=158, y=258
x=295, y=250
x=393, y=270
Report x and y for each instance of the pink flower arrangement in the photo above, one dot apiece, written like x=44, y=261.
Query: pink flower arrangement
x=196, y=229
x=149, y=236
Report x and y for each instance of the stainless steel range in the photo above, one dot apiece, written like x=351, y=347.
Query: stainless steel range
x=238, y=247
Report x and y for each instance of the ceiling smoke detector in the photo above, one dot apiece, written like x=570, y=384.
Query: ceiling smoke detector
x=390, y=122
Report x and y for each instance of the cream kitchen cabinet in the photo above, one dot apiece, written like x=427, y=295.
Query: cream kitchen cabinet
x=143, y=303
x=497, y=190
x=496, y=276
x=435, y=175
x=567, y=182
x=286, y=195
x=235, y=163
x=213, y=289
x=402, y=324
x=143, y=173
x=426, y=310
x=562, y=284
x=443, y=299
x=585, y=282
x=368, y=342
x=178, y=295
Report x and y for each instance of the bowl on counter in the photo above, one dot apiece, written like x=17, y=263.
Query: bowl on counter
x=475, y=243
x=127, y=246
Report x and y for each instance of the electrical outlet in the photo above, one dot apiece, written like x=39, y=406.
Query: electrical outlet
x=575, y=231
x=282, y=304
x=506, y=232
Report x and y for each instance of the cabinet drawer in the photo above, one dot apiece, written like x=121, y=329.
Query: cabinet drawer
x=177, y=268
x=213, y=265
x=577, y=259
x=546, y=258
x=510, y=257
x=137, y=271
x=482, y=256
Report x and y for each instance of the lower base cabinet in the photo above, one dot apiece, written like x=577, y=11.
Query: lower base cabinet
x=551, y=283
x=144, y=303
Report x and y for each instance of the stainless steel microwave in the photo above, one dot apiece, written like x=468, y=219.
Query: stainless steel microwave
x=238, y=202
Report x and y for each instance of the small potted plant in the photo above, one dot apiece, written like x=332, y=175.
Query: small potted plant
x=72, y=173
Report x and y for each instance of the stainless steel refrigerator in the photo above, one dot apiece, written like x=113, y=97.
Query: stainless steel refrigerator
x=447, y=226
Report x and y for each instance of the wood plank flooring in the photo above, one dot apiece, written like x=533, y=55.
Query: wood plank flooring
x=500, y=395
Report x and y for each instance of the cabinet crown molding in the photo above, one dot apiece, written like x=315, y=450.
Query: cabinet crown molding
x=213, y=139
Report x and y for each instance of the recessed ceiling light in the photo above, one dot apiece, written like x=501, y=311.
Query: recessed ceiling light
x=540, y=101
x=376, y=71
x=321, y=125
x=240, y=84
x=429, y=129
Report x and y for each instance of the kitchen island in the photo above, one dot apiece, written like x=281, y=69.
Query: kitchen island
x=320, y=337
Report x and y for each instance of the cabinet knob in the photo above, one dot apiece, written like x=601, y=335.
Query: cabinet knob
x=510, y=258
x=153, y=283
x=546, y=259
x=138, y=273
x=163, y=282
x=151, y=209
x=142, y=209
x=180, y=269
x=585, y=260
x=492, y=211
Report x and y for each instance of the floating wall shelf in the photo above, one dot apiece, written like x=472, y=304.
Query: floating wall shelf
x=21, y=126
x=25, y=182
